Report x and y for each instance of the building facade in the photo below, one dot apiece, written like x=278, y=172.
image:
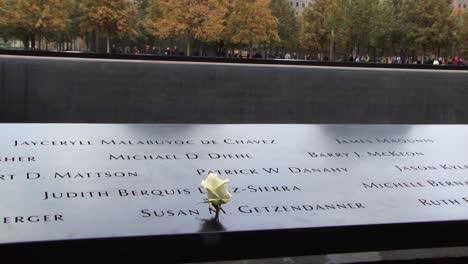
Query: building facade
x=461, y=4
x=299, y=5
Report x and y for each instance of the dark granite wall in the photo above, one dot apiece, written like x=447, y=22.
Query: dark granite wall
x=106, y=91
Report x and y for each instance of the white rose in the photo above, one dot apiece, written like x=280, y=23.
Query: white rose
x=218, y=193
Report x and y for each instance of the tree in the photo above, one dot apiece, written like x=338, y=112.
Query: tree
x=143, y=35
x=428, y=24
x=288, y=26
x=317, y=27
x=391, y=31
x=114, y=18
x=64, y=38
x=190, y=20
x=8, y=28
x=463, y=33
x=37, y=17
x=3, y=12
x=358, y=23
x=251, y=22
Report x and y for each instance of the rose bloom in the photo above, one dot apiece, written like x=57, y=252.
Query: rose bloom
x=218, y=193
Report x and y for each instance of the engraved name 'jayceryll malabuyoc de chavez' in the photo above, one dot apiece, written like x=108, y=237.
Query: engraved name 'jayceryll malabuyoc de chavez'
x=126, y=142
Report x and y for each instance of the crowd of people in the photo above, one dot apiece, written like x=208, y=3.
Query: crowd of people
x=147, y=49
x=235, y=53
x=427, y=60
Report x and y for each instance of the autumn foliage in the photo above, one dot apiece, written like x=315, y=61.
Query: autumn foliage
x=3, y=12
x=109, y=17
x=380, y=27
x=201, y=20
x=251, y=22
x=38, y=16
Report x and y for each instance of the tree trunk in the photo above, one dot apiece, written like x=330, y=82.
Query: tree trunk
x=423, y=55
x=39, y=45
x=374, y=51
x=188, y=46
x=26, y=42
x=251, y=50
x=108, y=44
x=97, y=41
x=332, y=44
x=88, y=41
x=33, y=41
x=452, y=53
x=171, y=47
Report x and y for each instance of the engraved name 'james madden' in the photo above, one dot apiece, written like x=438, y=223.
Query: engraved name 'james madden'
x=385, y=141
x=189, y=156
